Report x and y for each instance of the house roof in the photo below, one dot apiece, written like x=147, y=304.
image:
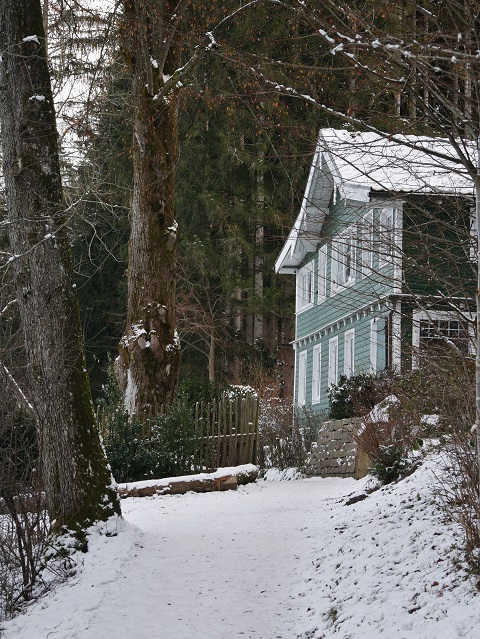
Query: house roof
x=352, y=165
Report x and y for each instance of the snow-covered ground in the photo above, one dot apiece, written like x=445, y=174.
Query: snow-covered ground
x=275, y=559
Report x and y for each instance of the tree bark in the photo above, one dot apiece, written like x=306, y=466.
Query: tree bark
x=149, y=359
x=77, y=482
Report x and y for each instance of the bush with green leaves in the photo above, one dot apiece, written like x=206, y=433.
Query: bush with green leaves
x=355, y=395
x=155, y=446
x=390, y=463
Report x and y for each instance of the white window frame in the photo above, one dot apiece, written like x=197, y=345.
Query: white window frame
x=342, y=274
x=387, y=237
x=305, y=286
x=333, y=361
x=373, y=345
x=434, y=316
x=349, y=352
x=316, y=373
x=302, y=378
x=322, y=274
x=367, y=239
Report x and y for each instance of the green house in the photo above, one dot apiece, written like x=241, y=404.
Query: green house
x=384, y=256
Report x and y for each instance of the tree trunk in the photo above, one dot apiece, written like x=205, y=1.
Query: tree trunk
x=149, y=359
x=76, y=479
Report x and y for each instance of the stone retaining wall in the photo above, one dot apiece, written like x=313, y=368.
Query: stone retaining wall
x=335, y=453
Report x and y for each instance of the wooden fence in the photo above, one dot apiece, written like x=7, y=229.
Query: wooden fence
x=217, y=434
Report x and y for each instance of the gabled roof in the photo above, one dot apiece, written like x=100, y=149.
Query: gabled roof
x=353, y=165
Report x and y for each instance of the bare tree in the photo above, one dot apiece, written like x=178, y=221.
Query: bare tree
x=74, y=471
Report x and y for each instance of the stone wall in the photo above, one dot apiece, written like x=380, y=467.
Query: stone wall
x=335, y=453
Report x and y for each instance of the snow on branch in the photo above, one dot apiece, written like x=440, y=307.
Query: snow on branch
x=18, y=391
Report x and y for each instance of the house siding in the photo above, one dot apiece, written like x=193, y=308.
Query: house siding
x=362, y=326
x=352, y=307
x=431, y=268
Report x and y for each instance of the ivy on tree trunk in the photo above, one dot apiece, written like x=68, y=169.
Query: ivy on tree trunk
x=76, y=479
x=149, y=360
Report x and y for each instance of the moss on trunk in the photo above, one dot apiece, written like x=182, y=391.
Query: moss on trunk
x=76, y=478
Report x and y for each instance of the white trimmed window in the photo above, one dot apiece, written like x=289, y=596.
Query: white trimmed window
x=333, y=361
x=302, y=378
x=373, y=345
x=316, y=373
x=387, y=237
x=322, y=274
x=343, y=260
x=367, y=240
x=436, y=332
x=349, y=353
x=305, y=287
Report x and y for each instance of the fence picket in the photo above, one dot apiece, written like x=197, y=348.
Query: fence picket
x=224, y=433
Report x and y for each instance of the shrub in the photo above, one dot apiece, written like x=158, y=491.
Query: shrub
x=388, y=435
x=24, y=524
x=354, y=396
x=285, y=435
x=152, y=446
x=390, y=463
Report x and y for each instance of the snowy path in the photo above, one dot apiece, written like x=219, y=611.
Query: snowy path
x=273, y=560
x=227, y=567
x=219, y=565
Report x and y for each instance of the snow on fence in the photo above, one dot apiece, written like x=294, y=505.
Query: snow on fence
x=222, y=433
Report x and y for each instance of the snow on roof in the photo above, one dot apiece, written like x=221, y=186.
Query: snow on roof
x=391, y=164
x=356, y=164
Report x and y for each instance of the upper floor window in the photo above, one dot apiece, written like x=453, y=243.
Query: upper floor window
x=343, y=263
x=473, y=237
x=367, y=240
x=387, y=237
x=322, y=274
x=305, y=286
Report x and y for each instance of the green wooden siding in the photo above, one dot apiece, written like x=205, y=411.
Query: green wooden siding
x=362, y=327
x=352, y=307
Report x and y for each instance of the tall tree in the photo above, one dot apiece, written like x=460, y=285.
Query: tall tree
x=149, y=350
x=74, y=471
